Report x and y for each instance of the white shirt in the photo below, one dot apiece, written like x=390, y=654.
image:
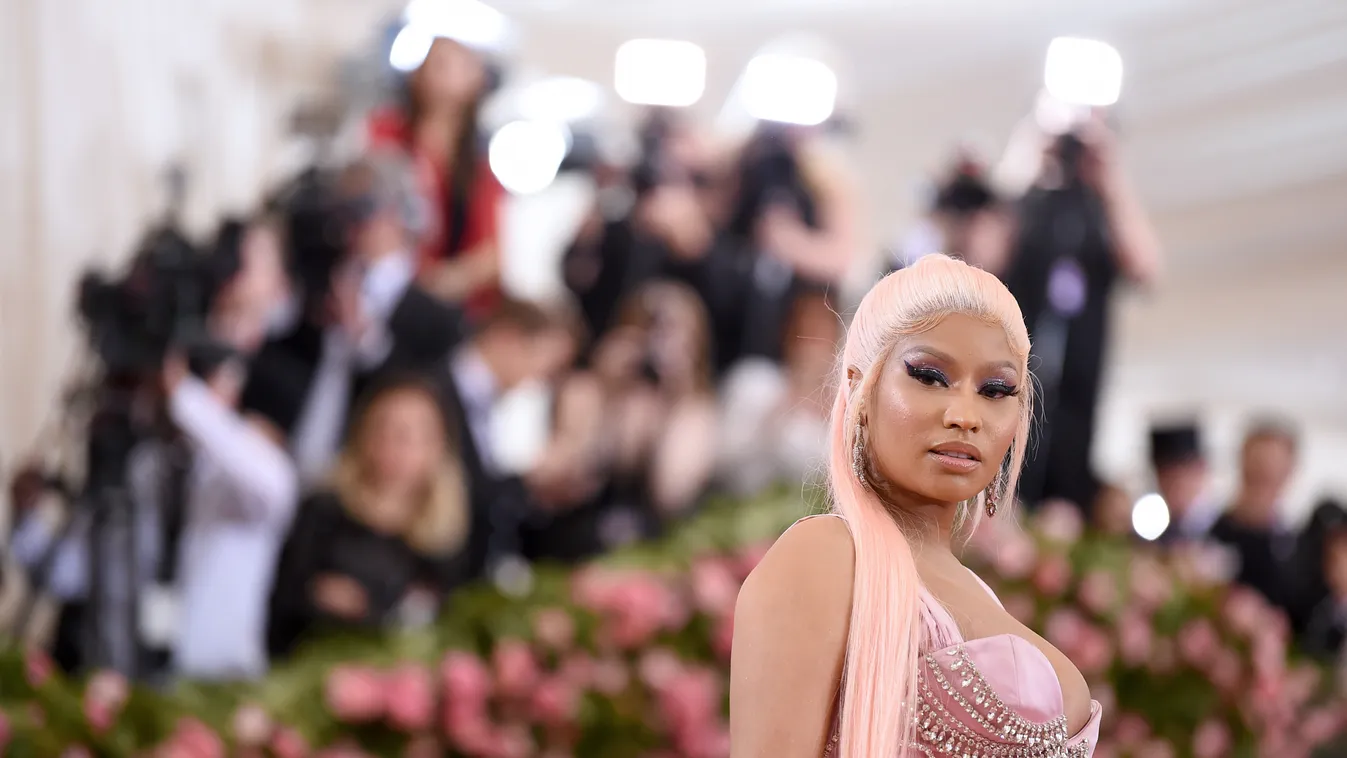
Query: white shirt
x=478, y=390
x=242, y=497
x=318, y=433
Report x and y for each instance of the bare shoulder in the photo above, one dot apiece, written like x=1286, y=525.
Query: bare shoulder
x=814, y=555
x=790, y=633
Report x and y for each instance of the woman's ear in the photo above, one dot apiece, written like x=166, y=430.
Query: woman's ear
x=854, y=377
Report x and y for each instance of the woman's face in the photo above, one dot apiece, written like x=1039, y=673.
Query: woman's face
x=403, y=440
x=450, y=74
x=944, y=412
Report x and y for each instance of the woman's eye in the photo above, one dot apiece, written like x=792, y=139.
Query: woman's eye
x=997, y=390
x=927, y=376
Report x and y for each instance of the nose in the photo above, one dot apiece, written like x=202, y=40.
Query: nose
x=962, y=412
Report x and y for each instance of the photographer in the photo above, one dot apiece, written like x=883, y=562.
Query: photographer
x=791, y=236
x=965, y=219
x=371, y=314
x=666, y=230
x=1080, y=227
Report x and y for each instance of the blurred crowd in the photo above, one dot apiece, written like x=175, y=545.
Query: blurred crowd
x=339, y=467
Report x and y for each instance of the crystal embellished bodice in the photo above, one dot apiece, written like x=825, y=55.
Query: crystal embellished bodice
x=996, y=697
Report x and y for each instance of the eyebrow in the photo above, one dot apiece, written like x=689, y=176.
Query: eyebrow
x=947, y=358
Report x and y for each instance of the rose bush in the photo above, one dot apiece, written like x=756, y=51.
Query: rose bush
x=630, y=657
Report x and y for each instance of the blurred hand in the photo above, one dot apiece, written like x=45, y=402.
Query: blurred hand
x=1099, y=164
x=340, y=596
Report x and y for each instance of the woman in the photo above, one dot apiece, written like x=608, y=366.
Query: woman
x=460, y=255
x=634, y=439
x=861, y=635
x=382, y=545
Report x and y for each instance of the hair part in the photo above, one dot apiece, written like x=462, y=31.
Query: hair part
x=880, y=672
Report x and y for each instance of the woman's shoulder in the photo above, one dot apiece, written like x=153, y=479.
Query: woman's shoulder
x=813, y=563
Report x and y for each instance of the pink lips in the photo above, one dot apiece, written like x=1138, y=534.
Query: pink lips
x=957, y=456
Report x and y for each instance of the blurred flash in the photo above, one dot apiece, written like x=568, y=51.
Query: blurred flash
x=1150, y=517
x=1083, y=72
x=789, y=89
x=525, y=155
x=660, y=72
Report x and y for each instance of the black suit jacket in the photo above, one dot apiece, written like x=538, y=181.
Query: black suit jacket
x=500, y=503
x=423, y=330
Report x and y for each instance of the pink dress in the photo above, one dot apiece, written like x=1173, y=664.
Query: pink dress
x=995, y=697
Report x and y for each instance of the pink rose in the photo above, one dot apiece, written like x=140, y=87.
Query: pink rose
x=658, y=666
x=252, y=726
x=592, y=588
x=1225, y=670
x=611, y=677
x=1269, y=653
x=410, y=698
x=1014, y=555
x=1098, y=592
x=1064, y=629
x=710, y=741
x=1198, y=642
x=465, y=677
x=555, y=702
x=1134, y=638
x=1052, y=576
x=1131, y=730
x=554, y=628
x=516, y=668
x=1244, y=610
x=1060, y=522
x=1093, y=652
x=577, y=669
x=1322, y=725
x=355, y=694
x=195, y=739
x=1020, y=607
x=1301, y=683
x=76, y=751
x=690, y=702
x=287, y=743
x=749, y=557
x=37, y=667
x=468, y=728
x=1150, y=584
x=722, y=637
x=641, y=608
x=714, y=587
x=104, y=697
x=511, y=742
x=1212, y=739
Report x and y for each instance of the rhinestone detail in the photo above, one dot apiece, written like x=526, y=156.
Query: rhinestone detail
x=943, y=732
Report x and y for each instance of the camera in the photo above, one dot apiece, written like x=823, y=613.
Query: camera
x=159, y=303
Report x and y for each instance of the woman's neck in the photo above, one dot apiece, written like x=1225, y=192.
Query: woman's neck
x=388, y=510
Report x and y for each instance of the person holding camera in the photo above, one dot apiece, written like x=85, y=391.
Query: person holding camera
x=1080, y=228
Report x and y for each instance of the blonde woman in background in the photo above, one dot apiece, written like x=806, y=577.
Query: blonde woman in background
x=385, y=542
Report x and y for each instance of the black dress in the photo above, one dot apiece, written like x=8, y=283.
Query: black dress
x=1062, y=270
x=325, y=540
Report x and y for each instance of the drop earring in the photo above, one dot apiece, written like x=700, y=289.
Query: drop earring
x=989, y=496
x=858, y=457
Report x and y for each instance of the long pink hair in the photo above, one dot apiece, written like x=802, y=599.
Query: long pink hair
x=881, y=669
